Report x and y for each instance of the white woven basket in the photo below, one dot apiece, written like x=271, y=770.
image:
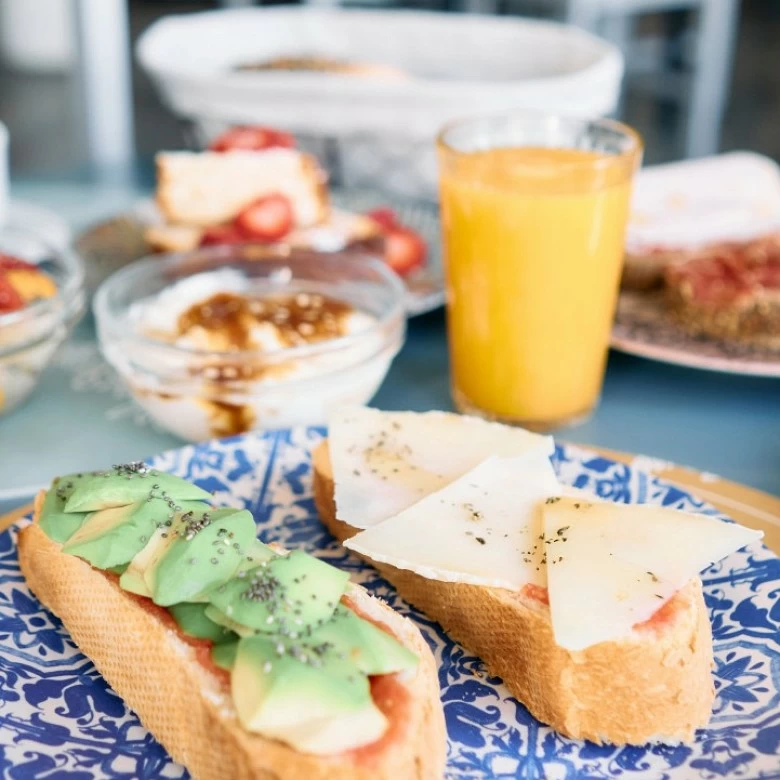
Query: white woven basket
x=458, y=65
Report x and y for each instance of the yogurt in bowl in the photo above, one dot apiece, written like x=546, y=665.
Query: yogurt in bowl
x=222, y=341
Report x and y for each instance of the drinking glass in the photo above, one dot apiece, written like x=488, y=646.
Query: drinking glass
x=534, y=211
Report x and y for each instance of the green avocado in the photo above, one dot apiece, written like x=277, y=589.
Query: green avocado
x=206, y=551
x=129, y=484
x=53, y=520
x=192, y=621
x=224, y=654
x=256, y=554
x=277, y=684
x=221, y=619
x=373, y=650
x=132, y=578
x=112, y=537
x=286, y=595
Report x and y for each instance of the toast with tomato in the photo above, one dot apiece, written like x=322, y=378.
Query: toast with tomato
x=352, y=696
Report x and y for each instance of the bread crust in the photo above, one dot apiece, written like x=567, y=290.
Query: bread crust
x=186, y=707
x=643, y=271
x=654, y=686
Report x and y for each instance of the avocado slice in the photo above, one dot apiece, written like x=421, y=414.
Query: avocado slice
x=286, y=595
x=111, y=537
x=206, y=550
x=132, y=578
x=224, y=654
x=57, y=524
x=335, y=734
x=373, y=650
x=128, y=484
x=192, y=621
x=221, y=619
x=276, y=683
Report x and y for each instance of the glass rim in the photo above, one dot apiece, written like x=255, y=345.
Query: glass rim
x=636, y=143
x=112, y=322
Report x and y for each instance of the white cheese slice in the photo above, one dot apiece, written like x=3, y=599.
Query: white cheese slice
x=611, y=566
x=482, y=529
x=383, y=462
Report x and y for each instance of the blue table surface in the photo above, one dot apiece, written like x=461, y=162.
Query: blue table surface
x=80, y=418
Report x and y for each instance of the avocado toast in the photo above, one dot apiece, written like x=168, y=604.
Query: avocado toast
x=243, y=660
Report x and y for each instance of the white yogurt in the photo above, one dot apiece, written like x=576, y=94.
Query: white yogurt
x=297, y=390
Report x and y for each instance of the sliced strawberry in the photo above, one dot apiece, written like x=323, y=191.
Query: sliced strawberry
x=10, y=299
x=385, y=217
x=218, y=235
x=11, y=263
x=267, y=219
x=251, y=139
x=404, y=250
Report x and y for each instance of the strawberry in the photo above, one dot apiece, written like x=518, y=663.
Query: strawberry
x=11, y=263
x=404, y=250
x=251, y=139
x=218, y=235
x=267, y=219
x=384, y=217
x=10, y=299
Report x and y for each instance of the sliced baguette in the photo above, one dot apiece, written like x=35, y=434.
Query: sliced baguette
x=209, y=188
x=654, y=686
x=189, y=710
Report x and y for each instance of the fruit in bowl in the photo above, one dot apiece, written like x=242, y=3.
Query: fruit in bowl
x=41, y=298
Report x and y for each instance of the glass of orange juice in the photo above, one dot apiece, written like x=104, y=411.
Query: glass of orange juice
x=534, y=211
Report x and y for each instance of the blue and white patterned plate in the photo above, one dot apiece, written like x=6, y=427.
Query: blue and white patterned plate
x=58, y=718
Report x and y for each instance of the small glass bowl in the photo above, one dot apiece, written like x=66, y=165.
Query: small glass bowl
x=199, y=393
x=30, y=337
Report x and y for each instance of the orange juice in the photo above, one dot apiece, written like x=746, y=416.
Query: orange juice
x=533, y=241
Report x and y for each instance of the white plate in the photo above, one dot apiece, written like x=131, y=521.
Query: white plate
x=687, y=205
x=109, y=245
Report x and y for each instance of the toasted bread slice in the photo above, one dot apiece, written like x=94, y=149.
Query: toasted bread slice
x=730, y=292
x=208, y=188
x=340, y=230
x=653, y=686
x=190, y=710
x=645, y=270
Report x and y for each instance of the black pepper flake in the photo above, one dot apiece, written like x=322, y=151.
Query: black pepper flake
x=653, y=577
x=476, y=515
x=658, y=596
x=552, y=500
x=480, y=539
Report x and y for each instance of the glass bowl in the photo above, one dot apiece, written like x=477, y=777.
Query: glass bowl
x=30, y=337
x=199, y=393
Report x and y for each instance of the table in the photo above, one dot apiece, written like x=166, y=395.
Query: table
x=718, y=423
